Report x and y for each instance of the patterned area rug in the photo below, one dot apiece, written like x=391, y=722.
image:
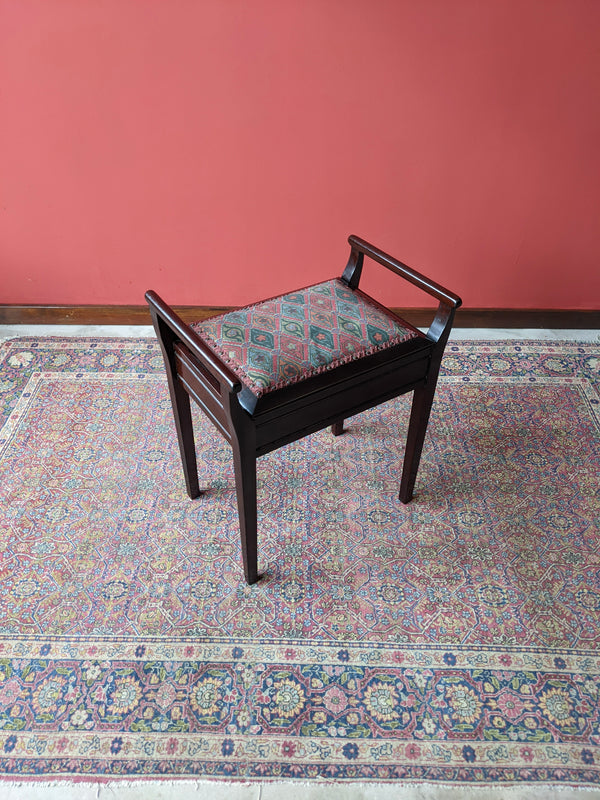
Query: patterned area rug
x=455, y=639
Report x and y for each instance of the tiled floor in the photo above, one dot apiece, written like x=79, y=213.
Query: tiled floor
x=9, y=331
x=203, y=790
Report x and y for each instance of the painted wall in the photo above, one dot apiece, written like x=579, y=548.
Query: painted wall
x=222, y=150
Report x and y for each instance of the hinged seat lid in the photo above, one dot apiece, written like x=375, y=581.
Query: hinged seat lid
x=287, y=339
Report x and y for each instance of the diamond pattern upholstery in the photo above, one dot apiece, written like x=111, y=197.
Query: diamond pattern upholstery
x=287, y=339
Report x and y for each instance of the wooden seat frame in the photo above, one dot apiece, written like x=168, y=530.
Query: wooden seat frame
x=256, y=425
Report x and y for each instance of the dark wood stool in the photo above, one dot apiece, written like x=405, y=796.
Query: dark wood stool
x=271, y=373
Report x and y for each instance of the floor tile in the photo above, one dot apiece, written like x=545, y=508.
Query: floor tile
x=137, y=331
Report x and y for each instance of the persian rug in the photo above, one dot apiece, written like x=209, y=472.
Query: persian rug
x=455, y=639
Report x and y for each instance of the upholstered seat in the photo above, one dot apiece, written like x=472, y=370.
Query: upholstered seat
x=278, y=370
x=287, y=339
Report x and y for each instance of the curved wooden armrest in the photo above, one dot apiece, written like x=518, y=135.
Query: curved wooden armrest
x=431, y=287
x=166, y=320
x=448, y=301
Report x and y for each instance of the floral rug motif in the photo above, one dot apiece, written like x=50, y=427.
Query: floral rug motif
x=455, y=639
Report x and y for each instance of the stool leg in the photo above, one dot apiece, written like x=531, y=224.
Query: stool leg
x=182, y=412
x=180, y=402
x=337, y=428
x=244, y=462
x=417, y=428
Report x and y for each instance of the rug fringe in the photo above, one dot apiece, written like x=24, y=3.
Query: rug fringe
x=182, y=789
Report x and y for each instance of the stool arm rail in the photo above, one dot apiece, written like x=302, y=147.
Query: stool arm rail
x=160, y=310
x=448, y=301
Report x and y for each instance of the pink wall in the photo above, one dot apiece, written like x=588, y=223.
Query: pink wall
x=205, y=148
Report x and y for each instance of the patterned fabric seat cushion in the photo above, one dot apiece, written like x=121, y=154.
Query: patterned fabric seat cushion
x=293, y=337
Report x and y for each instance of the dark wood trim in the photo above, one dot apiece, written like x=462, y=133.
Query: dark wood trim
x=96, y=315
x=574, y=318
x=12, y=314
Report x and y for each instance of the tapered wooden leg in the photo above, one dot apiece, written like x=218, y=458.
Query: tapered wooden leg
x=180, y=403
x=337, y=428
x=185, y=436
x=244, y=461
x=417, y=428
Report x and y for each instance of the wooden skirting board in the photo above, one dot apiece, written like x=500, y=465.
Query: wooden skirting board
x=138, y=315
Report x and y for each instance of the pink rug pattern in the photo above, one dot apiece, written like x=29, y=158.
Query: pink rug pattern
x=453, y=639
